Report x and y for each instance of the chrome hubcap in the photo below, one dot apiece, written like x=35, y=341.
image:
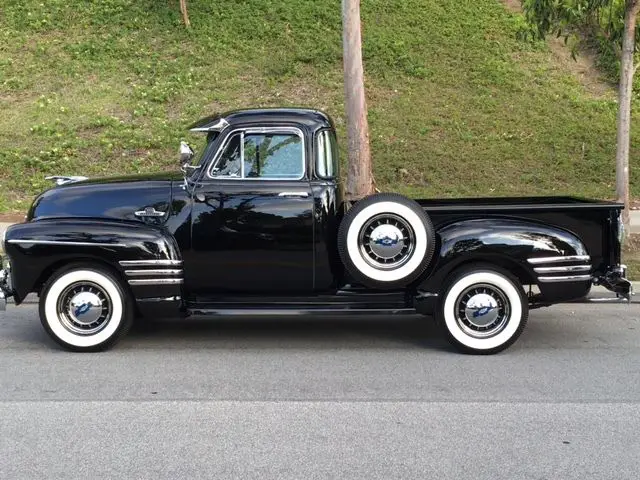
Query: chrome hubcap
x=482, y=311
x=84, y=308
x=387, y=241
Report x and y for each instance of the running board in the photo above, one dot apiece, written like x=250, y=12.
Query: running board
x=211, y=311
x=601, y=300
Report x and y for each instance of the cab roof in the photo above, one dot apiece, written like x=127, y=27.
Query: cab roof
x=312, y=119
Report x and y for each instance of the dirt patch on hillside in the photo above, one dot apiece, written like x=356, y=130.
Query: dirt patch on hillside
x=513, y=5
x=11, y=218
x=583, y=68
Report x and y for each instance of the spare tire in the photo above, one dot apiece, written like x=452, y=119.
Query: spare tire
x=386, y=241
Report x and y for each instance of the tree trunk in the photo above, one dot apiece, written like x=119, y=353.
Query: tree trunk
x=627, y=70
x=359, y=174
x=185, y=13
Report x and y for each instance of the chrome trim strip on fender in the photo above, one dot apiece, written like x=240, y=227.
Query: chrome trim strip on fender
x=568, y=278
x=156, y=281
x=567, y=269
x=159, y=299
x=147, y=263
x=69, y=243
x=572, y=258
x=148, y=273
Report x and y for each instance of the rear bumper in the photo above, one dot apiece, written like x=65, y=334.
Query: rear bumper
x=615, y=279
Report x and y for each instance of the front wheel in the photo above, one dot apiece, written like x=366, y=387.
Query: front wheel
x=85, y=309
x=484, y=310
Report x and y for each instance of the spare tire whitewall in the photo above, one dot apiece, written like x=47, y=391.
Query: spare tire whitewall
x=386, y=241
x=484, y=310
x=85, y=309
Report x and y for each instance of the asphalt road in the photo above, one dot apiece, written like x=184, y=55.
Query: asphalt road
x=328, y=398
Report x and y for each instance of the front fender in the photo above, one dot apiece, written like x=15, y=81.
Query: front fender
x=36, y=249
x=506, y=242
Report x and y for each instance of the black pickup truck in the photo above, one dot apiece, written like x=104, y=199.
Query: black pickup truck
x=256, y=224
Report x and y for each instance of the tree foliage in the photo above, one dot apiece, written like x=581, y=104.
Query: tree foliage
x=575, y=19
x=616, y=21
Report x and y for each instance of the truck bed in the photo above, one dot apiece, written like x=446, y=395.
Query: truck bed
x=589, y=220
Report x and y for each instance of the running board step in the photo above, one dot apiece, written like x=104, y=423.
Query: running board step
x=214, y=311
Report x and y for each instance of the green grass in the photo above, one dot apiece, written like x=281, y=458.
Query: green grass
x=457, y=106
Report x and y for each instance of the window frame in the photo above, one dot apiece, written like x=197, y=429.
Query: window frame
x=264, y=131
x=335, y=157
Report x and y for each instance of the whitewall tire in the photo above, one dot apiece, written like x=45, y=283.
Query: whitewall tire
x=84, y=308
x=386, y=241
x=483, y=310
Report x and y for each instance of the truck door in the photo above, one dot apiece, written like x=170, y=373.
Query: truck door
x=252, y=217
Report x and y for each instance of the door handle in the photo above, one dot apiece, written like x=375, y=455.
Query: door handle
x=294, y=194
x=149, y=212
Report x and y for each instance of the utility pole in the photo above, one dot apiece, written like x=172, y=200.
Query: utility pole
x=185, y=13
x=625, y=94
x=359, y=171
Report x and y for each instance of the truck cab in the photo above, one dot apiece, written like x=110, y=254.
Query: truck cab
x=256, y=224
x=266, y=198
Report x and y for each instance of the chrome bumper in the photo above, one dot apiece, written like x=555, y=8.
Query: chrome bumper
x=616, y=281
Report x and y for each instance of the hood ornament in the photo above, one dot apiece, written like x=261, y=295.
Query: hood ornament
x=63, y=180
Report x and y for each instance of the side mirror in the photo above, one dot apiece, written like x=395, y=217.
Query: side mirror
x=186, y=153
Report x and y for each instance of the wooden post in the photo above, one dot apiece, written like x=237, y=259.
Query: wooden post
x=185, y=13
x=359, y=171
x=627, y=71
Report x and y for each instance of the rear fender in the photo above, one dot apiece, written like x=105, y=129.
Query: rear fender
x=508, y=243
x=36, y=249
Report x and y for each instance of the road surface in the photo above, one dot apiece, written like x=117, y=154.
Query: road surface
x=329, y=398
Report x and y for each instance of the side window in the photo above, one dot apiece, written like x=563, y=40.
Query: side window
x=261, y=155
x=230, y=162
x=273, y=156
x=327, y=154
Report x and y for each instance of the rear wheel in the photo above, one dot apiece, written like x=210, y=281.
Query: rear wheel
x=85, y=308
x=483, y=310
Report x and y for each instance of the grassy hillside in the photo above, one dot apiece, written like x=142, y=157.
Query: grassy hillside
x=458, y=107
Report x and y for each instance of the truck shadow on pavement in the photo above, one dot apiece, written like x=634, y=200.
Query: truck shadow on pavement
x=278, y=333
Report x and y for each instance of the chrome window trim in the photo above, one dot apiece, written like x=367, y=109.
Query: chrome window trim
x=255, y=130
x=156, y=281
x=565, y=269
x=335, y=161
x=71, y=243
x=571, y=258
x=148, y=273
x=145, y=263
x=568, y=278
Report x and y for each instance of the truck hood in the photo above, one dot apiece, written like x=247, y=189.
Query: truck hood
x=111, y=198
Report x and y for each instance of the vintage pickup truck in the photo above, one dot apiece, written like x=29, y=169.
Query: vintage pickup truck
x=256, y=224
